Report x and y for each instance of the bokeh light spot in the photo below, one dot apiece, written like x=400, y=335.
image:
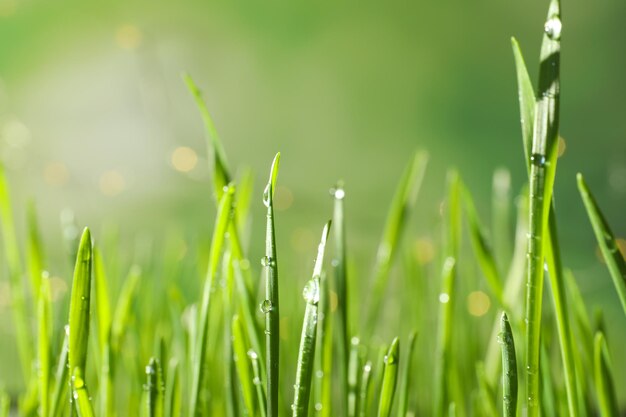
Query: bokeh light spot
x=424, y=251
x=56, y=173
x=112, y=183
x=128, y=36
x=561, y=146
x=184, y=159
x=478, y=303
x=283, y=199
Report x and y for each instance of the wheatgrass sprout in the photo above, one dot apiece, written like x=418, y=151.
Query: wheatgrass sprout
x=606, y=240
x=306, y=353
x=270, y=306
x=154, y=389
x=390, y=379
x=509, y=368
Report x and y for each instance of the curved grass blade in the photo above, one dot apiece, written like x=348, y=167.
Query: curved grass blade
x=542, y=172
x=354, y=368
x=154, y=389
x=80, y=394
x=172, y=390
x=405, y=379
x=12, y=257
x=605, y=387
x=79, y=304
x=390, y=379
x=364, y=395
x=397, y=218
x=59, y=396
x=221, y=175
x=44, y=322
x=526, y=95
x=509, y=368
x=35, y=249
x=199, y=352
x=482, y=249
x=270, y=307
x=243, y=366
x=606, y=240
x=258, y=383
x=306, y=353
x=444, y=339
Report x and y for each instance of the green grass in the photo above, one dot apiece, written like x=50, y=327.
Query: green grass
x=182, y=334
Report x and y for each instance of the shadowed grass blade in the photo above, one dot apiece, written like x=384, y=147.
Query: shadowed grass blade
x=444, y=338
x=542, y=171
x=12, y=258
x=243, y=366
x=44, y=323
x=405, y=380
x=390, y=379
x=527, y=100
x=154, y=389
x=270, y=307
x=605, y=387
x=306, y=353
x=397, y=218
x=606, y=240
x=80, y=394
x=199, y=353
x=509, y=368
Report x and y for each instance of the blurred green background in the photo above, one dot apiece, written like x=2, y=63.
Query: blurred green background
x=94, y=115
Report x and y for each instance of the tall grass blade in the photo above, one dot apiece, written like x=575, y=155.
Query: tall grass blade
x=34, y=249
x=121, y=315
x=306, y=353
x=14, y=263
x=80, y=394
x=605, y=387
x=59, y=396
x=354, y=370
x=542, y=171
x=526, y=95
x=154, y=389
x=390, y=379
x=199, y=352
x=103, y=312
x=405, y=379
x=172, y=390
x=258, y=383
x=397, y=218
x=243, y=366
x=44, y=323
x=509, y=368
x=606, y=240
x=270, y=307
x=364, y=395
x=486, y=394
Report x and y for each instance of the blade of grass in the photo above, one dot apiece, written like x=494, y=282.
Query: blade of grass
x=44, y=323
x=486, y=394
x=397, y=218
x=354, y=368
x=80, y=394
x=364, y=395
x=154, y=389
x=526, y=96
x=243, y=366
x=270, y=307
x=59, y=396
x=103, y=311
x=173, y=390
x=306, y=353
x=122, y=312
x=542, y=171
x=509, y=368
x=34, y=249
x=390, y=379
x=258, y=383
x=324, y=359
x=606, y=240
x=605, y=387
x=14, y=263
x=405, y=379
x=199, y=352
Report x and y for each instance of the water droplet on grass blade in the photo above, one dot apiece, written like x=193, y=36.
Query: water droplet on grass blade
x=553, y=28
x=311, y=292
x=538, y=159
x=266, y=196
x=266, y=306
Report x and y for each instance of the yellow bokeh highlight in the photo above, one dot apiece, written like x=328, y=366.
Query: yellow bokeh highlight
x=56, y=174
x=184, y=159
x=112, y=183
x=283, y=199
x=424, y=251
x=128, y=36
x=478, y=303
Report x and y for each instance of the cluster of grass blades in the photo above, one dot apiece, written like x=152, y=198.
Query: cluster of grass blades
x=222, y=345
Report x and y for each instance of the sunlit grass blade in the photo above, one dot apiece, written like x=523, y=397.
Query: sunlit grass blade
x=172, y=401
x=243, y=365
x=606, y=240
x=221, y=174
x=154, y=389
x=34, y=252
x=199, y=351
x=44, y=323
x=79, y=304
x=390, y=379
x=80, y=394
x=364, y=394
x=103, y=314
x=14, y=263
x=444, y=338
x=322, y=403
x=397, y=218
x=482, y=249
x=605, y=386
x=270, y=305
x=542, y=162
x=509, y=368
x=258, y=383
x=354, y=370
x=526, y=95
x=340, y=275
x=306, y=353
x=405, y=379
x=59, y=396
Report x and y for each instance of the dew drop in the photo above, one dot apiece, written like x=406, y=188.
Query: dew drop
x=266, y=306
x=538, y=160
x=318, y=406
x=444, y=298
x=553, y=28
x=252, y=355
x=311, y=292
x=267, y=261
x=266, y=196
